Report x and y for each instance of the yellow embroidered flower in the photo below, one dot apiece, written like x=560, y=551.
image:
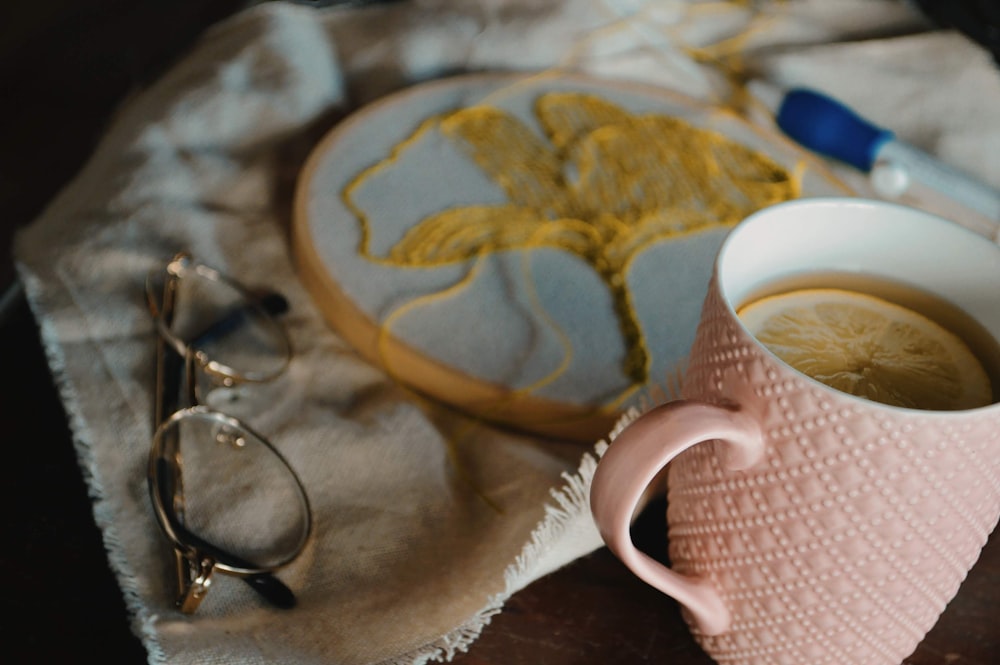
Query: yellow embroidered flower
x=605, y=185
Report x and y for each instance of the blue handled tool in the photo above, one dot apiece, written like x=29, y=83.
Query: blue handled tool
x=828, y=127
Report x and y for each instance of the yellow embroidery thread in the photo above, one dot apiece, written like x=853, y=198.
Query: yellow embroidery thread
x=604, y=185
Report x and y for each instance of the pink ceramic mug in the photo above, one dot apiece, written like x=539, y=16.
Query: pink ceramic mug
x=806, y=525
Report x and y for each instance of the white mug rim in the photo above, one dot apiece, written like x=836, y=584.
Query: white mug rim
x=778, y=215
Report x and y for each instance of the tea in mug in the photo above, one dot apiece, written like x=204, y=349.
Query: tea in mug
x=876, y=339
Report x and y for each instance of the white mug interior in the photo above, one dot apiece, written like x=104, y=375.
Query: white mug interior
x=866, y=238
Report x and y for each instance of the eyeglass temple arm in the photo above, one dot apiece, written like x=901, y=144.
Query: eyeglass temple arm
x=195, y=577
x=168, y=363
x=194, y=574
x=271, y=302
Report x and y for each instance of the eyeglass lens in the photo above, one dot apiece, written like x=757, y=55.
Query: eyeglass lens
x=231, y=332
x=240, y=498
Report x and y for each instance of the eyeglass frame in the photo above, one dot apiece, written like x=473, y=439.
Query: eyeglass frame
x=197, y=559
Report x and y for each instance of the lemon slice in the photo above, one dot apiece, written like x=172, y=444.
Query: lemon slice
x=869, y=347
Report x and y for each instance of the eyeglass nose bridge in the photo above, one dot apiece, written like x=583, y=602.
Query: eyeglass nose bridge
x=224, y=376
x=228, y=436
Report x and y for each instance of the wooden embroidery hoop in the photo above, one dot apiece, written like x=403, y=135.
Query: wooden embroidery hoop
x=356, y=295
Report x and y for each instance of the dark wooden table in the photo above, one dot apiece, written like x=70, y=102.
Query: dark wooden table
x=64, y=66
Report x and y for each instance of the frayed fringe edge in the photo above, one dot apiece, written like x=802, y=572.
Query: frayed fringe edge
x=567, y=532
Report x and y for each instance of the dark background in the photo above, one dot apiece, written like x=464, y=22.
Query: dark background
x=64, y=67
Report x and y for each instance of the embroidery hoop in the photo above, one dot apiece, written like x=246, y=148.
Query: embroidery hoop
x=477, y=347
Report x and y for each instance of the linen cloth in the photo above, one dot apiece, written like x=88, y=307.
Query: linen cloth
x=424, y=522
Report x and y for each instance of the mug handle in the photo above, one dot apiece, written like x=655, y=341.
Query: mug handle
x=631, y=463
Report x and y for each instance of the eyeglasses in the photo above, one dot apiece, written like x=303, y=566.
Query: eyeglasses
x=238, y=508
